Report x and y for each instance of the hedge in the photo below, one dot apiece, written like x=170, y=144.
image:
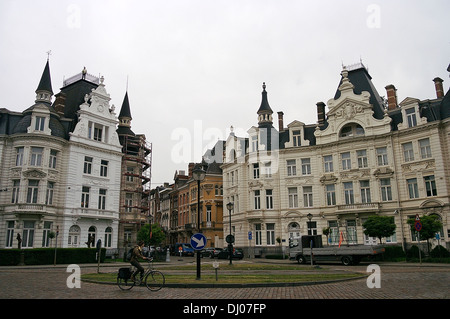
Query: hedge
x=46, y=256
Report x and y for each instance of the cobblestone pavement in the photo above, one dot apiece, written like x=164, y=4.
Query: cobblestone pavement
x=397, y=282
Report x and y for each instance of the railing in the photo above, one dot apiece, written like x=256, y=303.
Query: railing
x=95, y=213
x=360, y=206
x=79, y=76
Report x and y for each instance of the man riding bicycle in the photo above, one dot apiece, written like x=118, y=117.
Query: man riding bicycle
x=137, y=253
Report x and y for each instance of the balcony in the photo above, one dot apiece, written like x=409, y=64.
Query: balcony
x=359, y=207
x=95, y=213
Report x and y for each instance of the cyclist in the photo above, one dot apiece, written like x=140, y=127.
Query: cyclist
x=137, y=253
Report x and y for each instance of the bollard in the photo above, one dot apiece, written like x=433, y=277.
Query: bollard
x=168, y=255
x=216, y=267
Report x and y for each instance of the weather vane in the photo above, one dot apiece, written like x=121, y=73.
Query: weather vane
x=49, y=52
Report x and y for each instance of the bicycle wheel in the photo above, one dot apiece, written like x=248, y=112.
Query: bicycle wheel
x=125, y=284
x=155, y=280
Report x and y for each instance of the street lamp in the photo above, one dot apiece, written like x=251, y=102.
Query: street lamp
x=199, y=175
x=230, y=206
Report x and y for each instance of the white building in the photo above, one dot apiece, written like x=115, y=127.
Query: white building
x=60, y=167
x=364, y=157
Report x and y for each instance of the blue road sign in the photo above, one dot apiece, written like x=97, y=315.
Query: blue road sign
x=249, y=235
x=198, y=241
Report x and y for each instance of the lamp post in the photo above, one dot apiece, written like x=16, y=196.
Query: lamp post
x=199, y=175
x=230, y=206
x=310, y=216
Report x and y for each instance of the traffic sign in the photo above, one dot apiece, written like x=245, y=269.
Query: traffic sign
x=249, y=235
x=229, y=239
x=198, y=241
x=417, y=223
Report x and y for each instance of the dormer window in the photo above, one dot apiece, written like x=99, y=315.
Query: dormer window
x=40, y=123
x=411, y=117
x=351, y=130
x=296, y=138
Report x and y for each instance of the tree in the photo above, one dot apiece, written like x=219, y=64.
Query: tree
x=379, y=226
x=431, y=224
x=326, y=231
x=157, y=235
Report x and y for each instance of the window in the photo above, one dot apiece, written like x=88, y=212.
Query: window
x=32, y=192
x=270, y=233
x=268, y=170
x=104, y=168
x=382, y=158
x=87, y=169
x=386, y=192
x=269, y=199
x=45, y=233
x=296, y=137
x=328, y=163
x=19, y=156
x=430, y=185
x=411, y=117
x=40, y=123
x=257, y=199
x=108, y=237
x=85, y=197
x=98, y=131
x=351, y=130
x=365, y=191
x=256, y=171
x=362, y=158
x=28, y=234
x=348, y=193
x=333, y=237
x=36, y=156
x=330, y=192
x=425, y=149
x=293, y=197
x=291, y=167
x=307, y=196
x=15, y=191
x=258, y=239
x=52, y=159
x=130, y=172
x=346, y=161
x=306, y=166
x=254, y=143
x=351, y=232
x=128, y=202
x=10, y=233
x=74, y=236
x=413, y=189
x=408, y=152
x=102, y=198
x=49, y=194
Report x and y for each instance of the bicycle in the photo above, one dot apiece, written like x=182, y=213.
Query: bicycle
x=154, y=279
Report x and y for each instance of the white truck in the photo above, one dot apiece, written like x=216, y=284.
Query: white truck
x=302, y=248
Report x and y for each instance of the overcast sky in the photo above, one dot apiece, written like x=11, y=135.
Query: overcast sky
x=196, y=67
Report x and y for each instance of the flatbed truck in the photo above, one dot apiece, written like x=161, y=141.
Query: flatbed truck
x=302, y=248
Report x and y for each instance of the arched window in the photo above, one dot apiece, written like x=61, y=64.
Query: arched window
x=91, y=236
x=294, y=230
x=108, y=237
x=351, y=130
x=74, y=236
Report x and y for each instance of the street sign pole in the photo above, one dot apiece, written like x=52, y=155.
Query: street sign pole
x=418, y=226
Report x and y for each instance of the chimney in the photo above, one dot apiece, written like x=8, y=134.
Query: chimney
x=280, y=121
x=392, y=97
x=320, y=113
x=60, y=101
x=439, y=87
x=191, y=169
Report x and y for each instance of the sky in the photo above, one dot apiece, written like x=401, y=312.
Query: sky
x=194, y=68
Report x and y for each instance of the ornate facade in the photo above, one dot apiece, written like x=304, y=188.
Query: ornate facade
x=365, y=156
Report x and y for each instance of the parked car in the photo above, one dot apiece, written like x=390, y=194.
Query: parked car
x=186, y=249
x=206, y=252
x=215, y=253
x=237, y=254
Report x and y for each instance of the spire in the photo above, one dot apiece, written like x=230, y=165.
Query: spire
x=44, y=90
x=125, y=119
x=264, y=112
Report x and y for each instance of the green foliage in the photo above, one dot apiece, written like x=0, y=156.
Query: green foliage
x=379, y=226
x=439, y=252
x=430, y=226
x=158, y=235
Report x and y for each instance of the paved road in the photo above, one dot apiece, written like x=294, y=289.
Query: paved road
x=397, y=282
